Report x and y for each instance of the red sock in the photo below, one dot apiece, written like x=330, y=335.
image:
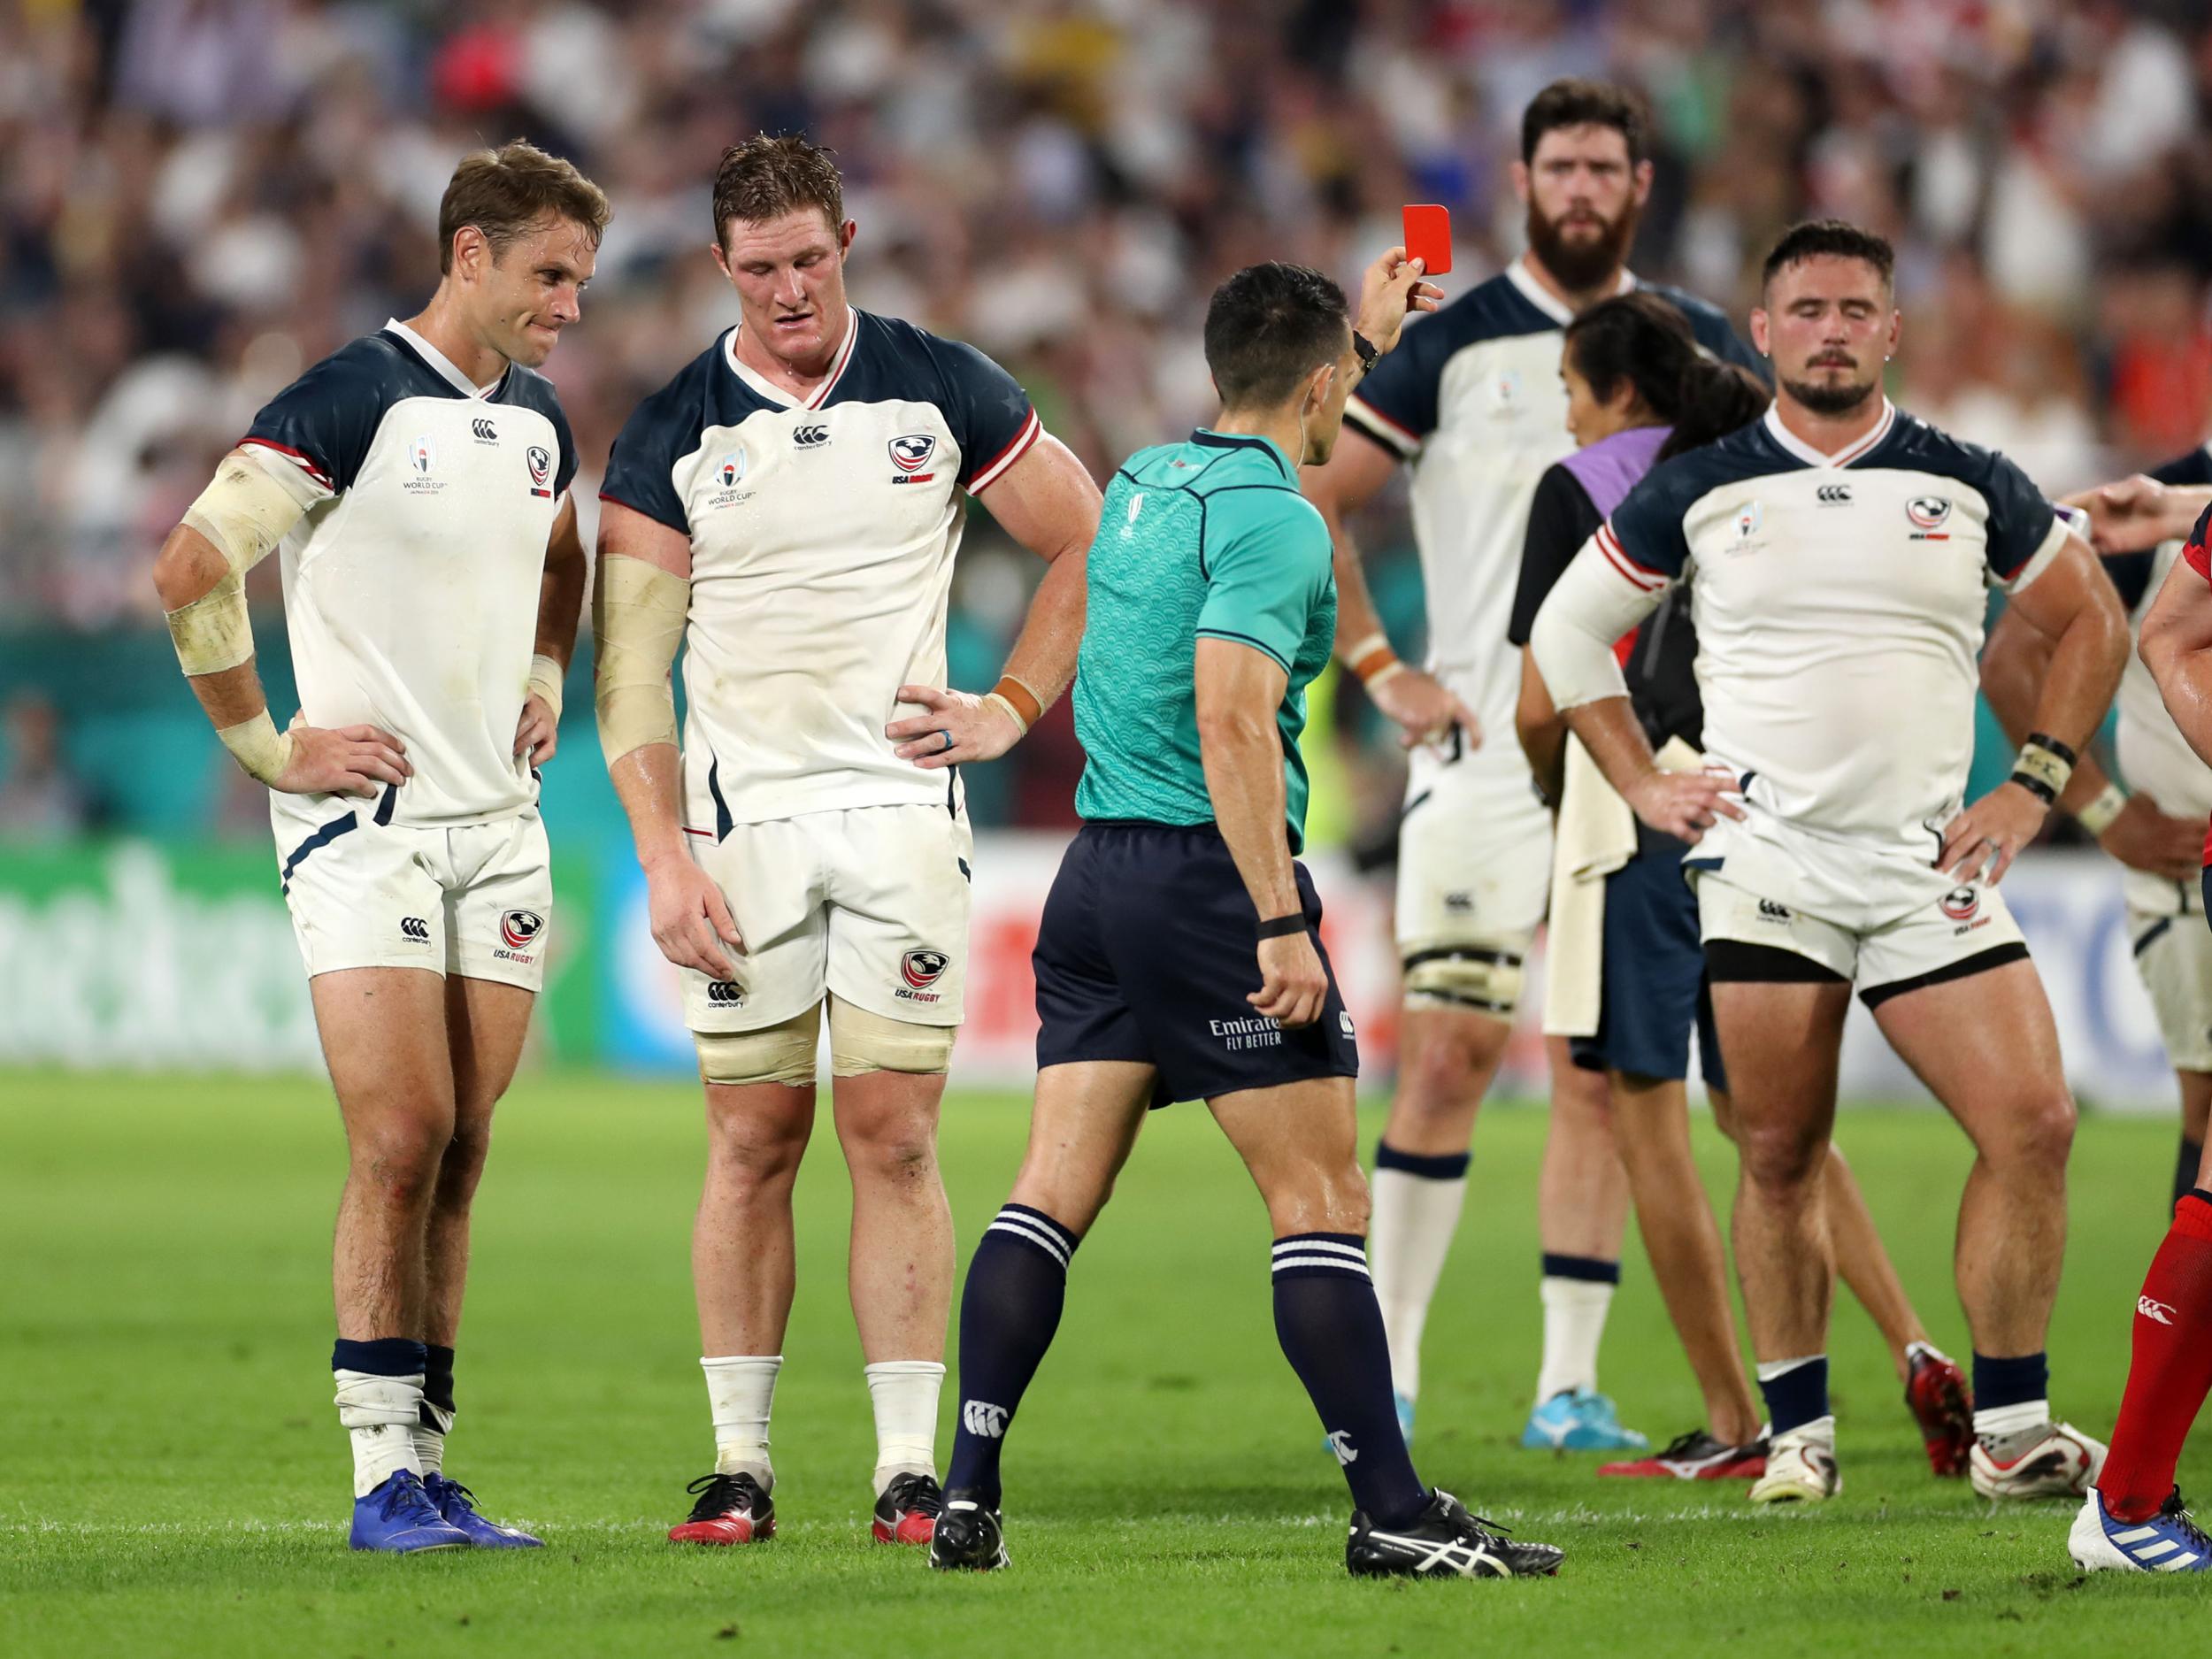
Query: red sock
x=2171, y=1370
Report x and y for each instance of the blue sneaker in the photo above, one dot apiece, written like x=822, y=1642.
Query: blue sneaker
x=2170, y=1541
x=399, y=1519
x=1579, y=1420
x=457, y=1504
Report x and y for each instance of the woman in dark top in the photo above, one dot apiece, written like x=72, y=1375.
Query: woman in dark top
x=1640, y=391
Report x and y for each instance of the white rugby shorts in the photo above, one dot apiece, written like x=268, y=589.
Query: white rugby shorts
x=869, y=903
x=1474, y=859
x=474, y=899
x=2173, y=954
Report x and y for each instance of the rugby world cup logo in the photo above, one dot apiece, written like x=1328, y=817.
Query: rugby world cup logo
x=730, y=468
x=422, y=455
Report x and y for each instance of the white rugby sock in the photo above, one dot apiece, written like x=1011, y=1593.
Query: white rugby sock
x=904, y=1395
x=1574, y=1324
x=740, y=1390
x=1993, y=1421
x=1414, y=1212
x=379, y=1414
x=430, y=1442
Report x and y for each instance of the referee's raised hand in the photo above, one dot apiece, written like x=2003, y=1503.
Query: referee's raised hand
x=1292, y=984
x=1390, y=290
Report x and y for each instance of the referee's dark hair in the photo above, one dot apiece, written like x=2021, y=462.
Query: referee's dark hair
x=1643, y=340
x=1576, y=103
x=1268, y=328
x=1828, y=238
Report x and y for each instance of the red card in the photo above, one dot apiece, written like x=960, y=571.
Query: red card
x=1429, y=237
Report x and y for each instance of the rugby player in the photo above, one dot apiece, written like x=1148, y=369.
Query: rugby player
x=416, y=486
x=1836, y=554
x=2156, y=831
x=790, y=506
x=1179, y=956
x=1626, y=974
x=1473, y=403
x=2134, y=1520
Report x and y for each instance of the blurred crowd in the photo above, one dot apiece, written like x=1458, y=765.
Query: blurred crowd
x=200, y=197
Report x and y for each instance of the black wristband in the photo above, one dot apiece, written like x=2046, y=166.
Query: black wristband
x=2040, y=739
x=1366, y=351
x=2035, y=787
x=1283, y=926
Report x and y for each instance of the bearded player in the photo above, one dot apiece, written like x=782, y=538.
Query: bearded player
x=1473, y=403
x=790, y=507
x=1837, y=555
x=416, y=485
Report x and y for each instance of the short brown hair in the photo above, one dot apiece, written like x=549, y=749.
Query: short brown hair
x=504, y=192
x=765, y=178
x=1829, y=239
x=1576, y=103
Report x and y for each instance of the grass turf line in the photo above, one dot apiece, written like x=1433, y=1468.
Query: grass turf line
x=174, y=1481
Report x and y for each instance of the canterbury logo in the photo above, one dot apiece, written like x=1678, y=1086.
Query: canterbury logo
x=724, y=993
x=1769, y=911
x=485, y=430
x=807, y=437
x=1833, y=494
x=414, y=928
x=1341, y=1444
x=980, y=1418
x=2157, y=1311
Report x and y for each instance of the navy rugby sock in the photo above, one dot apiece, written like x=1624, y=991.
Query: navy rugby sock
x=1010, y=1308
x=1332, y=1333
x=2185, y=1168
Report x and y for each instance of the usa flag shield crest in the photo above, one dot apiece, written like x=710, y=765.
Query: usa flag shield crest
x=911, y=453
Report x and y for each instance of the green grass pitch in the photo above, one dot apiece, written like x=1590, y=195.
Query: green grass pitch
x=172, y=1481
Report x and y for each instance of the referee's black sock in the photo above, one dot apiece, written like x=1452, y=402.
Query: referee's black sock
x=1016, y=1284
x=2185, y=1168
x=1332, y=1331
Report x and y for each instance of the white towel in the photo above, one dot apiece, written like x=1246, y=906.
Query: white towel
x=1596, y=836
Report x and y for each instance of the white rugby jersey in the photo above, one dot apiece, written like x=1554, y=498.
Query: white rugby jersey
x=1838, y=602
x=823, y=536
x=2155, y=758
x=411, y=588
x=1472, y=398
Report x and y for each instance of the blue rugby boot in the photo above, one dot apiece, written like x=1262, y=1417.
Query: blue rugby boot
x=457, y=1504
x=2170, y=1541
x=398, y=1519
x=1579, y=1420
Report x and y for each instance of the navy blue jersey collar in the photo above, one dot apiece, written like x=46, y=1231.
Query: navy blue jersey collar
x=443, y=367
x=1246, y=440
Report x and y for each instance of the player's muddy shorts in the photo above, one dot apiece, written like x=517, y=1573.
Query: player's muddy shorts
x=869, y=902
x=474, y=899
x=1147, y=950
x=1751, y=938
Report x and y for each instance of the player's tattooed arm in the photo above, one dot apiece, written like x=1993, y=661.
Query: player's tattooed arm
x=1238, y=689
x=560, y=606
x=1047, y=501
x=2130, y=827
x=2073, y=604
x=200, y=575
x=639, y=608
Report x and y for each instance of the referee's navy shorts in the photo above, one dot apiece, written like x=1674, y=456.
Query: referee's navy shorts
x=1147, y=950
x=1654, y=989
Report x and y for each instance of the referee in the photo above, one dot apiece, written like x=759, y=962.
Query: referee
x=1177, y=958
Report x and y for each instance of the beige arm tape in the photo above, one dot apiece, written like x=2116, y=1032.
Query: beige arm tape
x=638, y=615
x=775, y=1054
x=861, y=1041
x=546, y=679
x=243, y=513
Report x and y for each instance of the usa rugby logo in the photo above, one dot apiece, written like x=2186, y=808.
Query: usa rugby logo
x=541, y=464
x=1960, y=904
x=922, y=969
x=1929, y=514
x=521, y=928
x=909, y=453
